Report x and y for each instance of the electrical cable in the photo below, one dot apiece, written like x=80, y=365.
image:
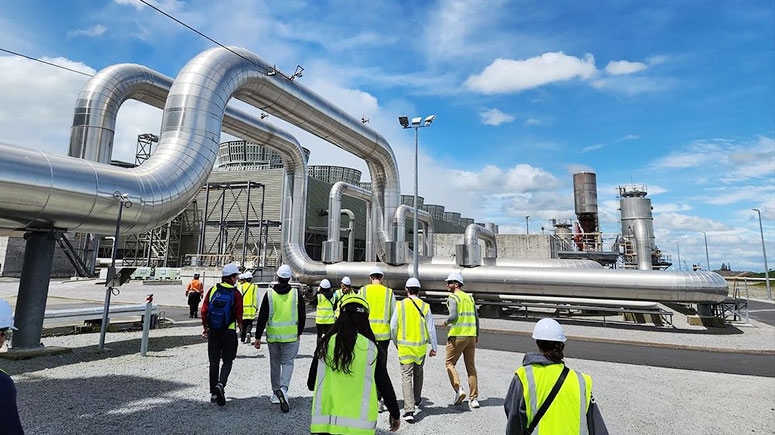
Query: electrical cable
x=44, y=62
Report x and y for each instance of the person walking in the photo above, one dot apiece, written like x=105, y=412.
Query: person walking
x=411, y=329
x=546, y=396
x=324, y=314
x=221, y=311
x=462, y=338
x=249, y=306
x=345, y=288
x=9, y=412
x=345, y=376
x=382, y=304
x=283, y=315
x=194, y=291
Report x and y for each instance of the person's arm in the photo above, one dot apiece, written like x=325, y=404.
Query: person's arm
x=9, y=412
x=452, y=306
x=595, y=423
x=301, y=313
x=516, y=409
x=313, y=374
x=431, y=330
x=238, y=309
x=263, y=317
x=476, y=315
x=394, y=327
x=205, y=305
x=385, y=387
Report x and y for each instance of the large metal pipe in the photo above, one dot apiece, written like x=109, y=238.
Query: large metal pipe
x=332, y=249
x=404, y=211
x=475, y=232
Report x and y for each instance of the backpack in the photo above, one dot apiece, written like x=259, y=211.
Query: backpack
x=221, y=312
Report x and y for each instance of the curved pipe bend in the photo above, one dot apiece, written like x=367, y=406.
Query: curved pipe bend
x=475, y=232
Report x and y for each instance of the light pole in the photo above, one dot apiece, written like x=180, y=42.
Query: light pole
x=707, y=258
x=416, y=124
x=677, y=248
x=123, y=201
x=527, y=224
x=764, y=252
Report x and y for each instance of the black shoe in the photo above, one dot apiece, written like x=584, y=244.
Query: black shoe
x=213, y=398
x=284, y=407
x=409, y=417
x=220, y=394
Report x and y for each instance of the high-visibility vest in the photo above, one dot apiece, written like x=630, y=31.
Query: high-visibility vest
x=249, y=306
x=346, y=403
x=283, y=317
x=381, y=305
x=465, y=324
x=211, y=293
x=567, y=414
x=325, y=312
x=412, y=332
x=338, y=295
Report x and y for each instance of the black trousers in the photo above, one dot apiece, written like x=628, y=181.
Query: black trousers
x=382, y=358
x=221, y=345
x=247, y=325
x=193, y=304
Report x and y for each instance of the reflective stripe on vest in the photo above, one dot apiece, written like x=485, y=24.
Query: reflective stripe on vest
x=568, y=411
x=325, y=312
x=346, y=403
x=211, y=293
x=249, y=307
x=380, y=300
x=283, y=317
x=411, y=331
x=465, y=324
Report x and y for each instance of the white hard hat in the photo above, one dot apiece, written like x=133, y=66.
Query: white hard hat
x=241, y=276
x=346, y=281
x=412, y=282
x=548, y=330
x=230, y=269
x=325, y=284
x=454, y=276
x=247, y=275
x=376, y=271
x=284, y=271
x=6, y=315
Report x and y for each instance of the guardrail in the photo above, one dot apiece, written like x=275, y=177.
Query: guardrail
x=95, y=313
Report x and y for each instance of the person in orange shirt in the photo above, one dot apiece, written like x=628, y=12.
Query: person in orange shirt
x=194, y=292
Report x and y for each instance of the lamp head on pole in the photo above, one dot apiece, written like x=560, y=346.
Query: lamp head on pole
x=416, y=121
x=428, y=120
x=404, y=121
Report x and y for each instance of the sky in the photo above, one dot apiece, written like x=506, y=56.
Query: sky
x=677, y=96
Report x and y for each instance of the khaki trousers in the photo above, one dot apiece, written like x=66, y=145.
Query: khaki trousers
x=465, y=346
x=411, y=381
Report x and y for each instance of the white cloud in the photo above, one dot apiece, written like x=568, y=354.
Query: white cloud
x=521, y=178
x=594, y=147
x=509, y=76
x=621, y=67
x=682, y=222
x=494, y=117
x=95, y=30
x=532, y=121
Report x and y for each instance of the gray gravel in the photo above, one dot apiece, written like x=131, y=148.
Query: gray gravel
x=87, y=392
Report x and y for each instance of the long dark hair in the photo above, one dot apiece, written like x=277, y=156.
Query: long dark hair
x=347, y=327
x=552, y=349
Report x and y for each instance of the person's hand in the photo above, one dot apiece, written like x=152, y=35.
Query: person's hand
x=204, y=333
x=395, y=423
x=444, y=323
x=432, y=353
x=257, y=344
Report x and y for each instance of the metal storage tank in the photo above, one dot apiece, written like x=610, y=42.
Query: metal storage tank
x=637, y=225
x=585, y=192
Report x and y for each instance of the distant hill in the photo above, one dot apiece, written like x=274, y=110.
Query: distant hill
x=744, y=274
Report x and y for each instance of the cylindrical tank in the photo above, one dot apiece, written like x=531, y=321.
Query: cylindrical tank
x=585, y=192
x=637, y=223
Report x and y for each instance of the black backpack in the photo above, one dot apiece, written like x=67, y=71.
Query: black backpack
x=221, y=311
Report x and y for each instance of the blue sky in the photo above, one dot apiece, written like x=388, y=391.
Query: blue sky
x=675, y=95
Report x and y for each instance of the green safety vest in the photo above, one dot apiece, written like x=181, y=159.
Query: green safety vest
x=249, y=307
x=325, y=312
x=381, y=305
x=411, y=332
x=346, y=403
x=567, y=414
x=283, y=317
x=465, y=324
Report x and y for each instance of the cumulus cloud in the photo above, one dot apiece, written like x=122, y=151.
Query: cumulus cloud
x=95, y=30
x=521, y=178
x=532, y=121
x=621, y=67
x=494, y=117
x=509, y=76
x=682, y=222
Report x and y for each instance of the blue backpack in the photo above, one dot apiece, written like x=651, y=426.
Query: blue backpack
x=221, y=312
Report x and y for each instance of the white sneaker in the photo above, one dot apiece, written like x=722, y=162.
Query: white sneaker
x=459, y=396
x=382, y=407
x=473, y=403
x=274, y=399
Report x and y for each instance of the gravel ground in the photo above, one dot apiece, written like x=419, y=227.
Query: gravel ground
x=88, y=392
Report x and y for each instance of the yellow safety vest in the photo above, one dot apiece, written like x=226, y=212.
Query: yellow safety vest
x=381, y=305
x=325, y=312
x=411, y=332
x=465, y=324
x=346, y=403
x=232, y=325
x=567, y=414
x=249, y=307
x=283, y=317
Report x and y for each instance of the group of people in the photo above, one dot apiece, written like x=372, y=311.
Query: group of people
x=349, y=377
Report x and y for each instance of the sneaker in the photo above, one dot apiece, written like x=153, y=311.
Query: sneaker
x=274, y=399
x=284, y=406
x=213, y=398
x=459, y=396
x=382, y=407
x=417, y=405
x=473, y=403
x=409, y=417
x=220, y=394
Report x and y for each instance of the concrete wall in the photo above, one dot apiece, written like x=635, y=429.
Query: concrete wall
x=509, y=245
x=12, y=256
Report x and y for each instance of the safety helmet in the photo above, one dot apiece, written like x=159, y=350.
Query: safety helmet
x=353, y=303
x=196, y=275
x=376, y=271
x=284, y=271
x=247, y=275
x=326, y=284
x=412, y=282
x=548, y=330
x=346, y=281
x=241, y=277
x=230, y=269
x=6, y=315
x=455, y=276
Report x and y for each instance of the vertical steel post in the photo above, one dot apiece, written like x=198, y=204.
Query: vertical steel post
x=415, y=250
x=146, y=324
x=764, y=252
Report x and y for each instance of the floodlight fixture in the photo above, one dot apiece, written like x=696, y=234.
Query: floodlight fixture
x=297, y=73
x=272, y=71
x=404, y=121
x=428, y=120
x=364, y=120
x=416, y=121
